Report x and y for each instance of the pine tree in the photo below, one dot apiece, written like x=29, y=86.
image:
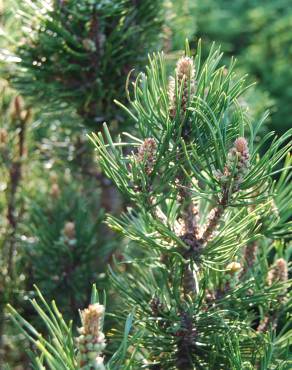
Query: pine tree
x=71, y=57
x=208, y=224
x=78, y=53
x=208, y=215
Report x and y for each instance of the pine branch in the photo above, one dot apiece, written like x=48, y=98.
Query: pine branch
x=59, y=349
x=195, y=149
x=75, y=54
x=15, y=175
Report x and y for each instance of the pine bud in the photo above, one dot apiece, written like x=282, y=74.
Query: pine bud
x=55, y=190
x=17, y=106
x=146, y=154
x=53, y=177
x=91, y=342
x=237, y=163
x=3, y=136
x=91, y=319
x=241, y=145
x=185, y=77
x=184, y=69
x=69, y=230
x=278, y=272
x=233, y=267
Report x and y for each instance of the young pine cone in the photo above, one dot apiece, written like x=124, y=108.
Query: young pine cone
x=184, y=73
x=278, y=272
x=91, y=341
x=237, y=163
x=146, y=154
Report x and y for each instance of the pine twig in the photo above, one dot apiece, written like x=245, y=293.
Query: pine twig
x=249, y=257
x=15, y=175
x=215, y=216
x=185, y=343
x=235, y=168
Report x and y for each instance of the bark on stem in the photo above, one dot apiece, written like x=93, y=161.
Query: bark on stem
x=185, y=345
x=214, y=220
x=15, y=175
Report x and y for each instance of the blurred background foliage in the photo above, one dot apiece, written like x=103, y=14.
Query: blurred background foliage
x=258, y=33
x=62, y=65
x=78, y=53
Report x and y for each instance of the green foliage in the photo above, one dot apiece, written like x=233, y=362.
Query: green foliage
x=78, y=53
x=66, y=248
x=58, y=349
x=178, y=28
x=260, y=33
x=206, y=234
x=14, y=122
x=204, y=208
x=15, y=147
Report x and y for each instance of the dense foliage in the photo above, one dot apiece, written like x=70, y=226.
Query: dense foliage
x=206, y=210
x=192, y=259
x=259, y=33
x=78, y=53
x=207, y=218
x=68, y=60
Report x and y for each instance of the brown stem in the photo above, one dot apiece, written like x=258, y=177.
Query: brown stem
x=249, y=258
x=12, y=219
x=190, y=219
x=15, y=177
x=185, y=344
x=189, y=286
x=190, y=216
x=217, y=213
x=14, y=180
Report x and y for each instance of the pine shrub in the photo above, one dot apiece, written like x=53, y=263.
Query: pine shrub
x=208, y=228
